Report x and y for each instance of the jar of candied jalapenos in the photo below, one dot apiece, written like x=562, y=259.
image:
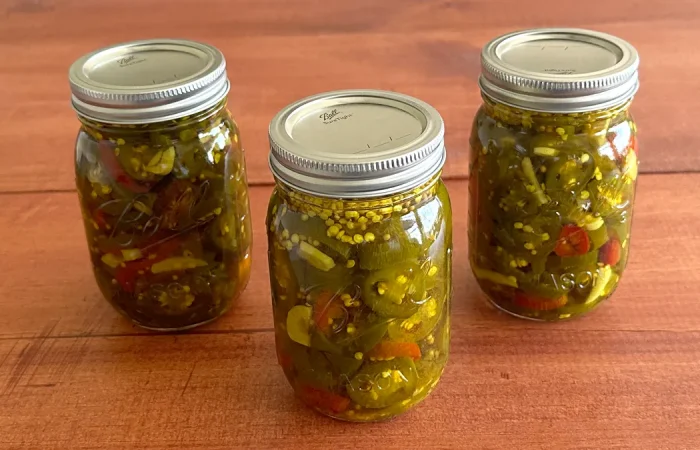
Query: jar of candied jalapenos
x=553, y=169
x=161, y=180
x=360, y=248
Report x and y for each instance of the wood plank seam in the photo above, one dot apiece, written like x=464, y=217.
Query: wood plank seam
x=198, y=333
x=137, y=334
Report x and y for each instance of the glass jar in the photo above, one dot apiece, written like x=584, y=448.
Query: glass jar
x=553, y=170
x=160, y=174
x=360, y=250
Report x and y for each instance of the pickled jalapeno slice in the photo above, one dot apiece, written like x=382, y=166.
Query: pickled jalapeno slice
x=363, y=286
x=420, y=324
x=551, y=197
x=394, y=246
x=396, y=291
x=384, y=383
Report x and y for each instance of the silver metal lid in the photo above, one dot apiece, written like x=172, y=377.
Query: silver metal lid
x=559, y=70
x=356, y=144
x=148, y=81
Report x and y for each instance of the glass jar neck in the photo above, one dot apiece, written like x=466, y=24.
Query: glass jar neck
x=204, y=118
x=379, y=206
x=549, y=122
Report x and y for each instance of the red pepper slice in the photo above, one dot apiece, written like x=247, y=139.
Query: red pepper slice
x=100, y=218
x=327, y=309
x=392, y=349
x=126, y=276
x=573, y=241
x=610, y=252
x=537, y=303
x=324, y=400
x=117, y=172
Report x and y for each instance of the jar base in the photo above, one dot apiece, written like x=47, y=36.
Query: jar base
x=350, y=420
x=177, y=328
x=570, y=317
x=368, y=415
x=174, y=330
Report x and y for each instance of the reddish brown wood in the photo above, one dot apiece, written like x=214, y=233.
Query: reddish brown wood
x=279, y=52
x=76, y=375
x=504, y=388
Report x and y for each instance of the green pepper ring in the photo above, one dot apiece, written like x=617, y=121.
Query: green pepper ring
x=388, y=296
x=384, y=383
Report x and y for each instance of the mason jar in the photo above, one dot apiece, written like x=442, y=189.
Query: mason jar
x=359, y=248
x=161, y=180
x=553, y=170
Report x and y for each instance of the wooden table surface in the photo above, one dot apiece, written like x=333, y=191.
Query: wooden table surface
x=76, y=375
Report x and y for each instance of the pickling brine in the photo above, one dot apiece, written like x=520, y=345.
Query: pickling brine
x=551, y=199
x=361, y=284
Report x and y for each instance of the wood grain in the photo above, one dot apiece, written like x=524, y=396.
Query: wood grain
x=76, y=375
x=278, y=53
x=503, y=388
x=72, y=368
